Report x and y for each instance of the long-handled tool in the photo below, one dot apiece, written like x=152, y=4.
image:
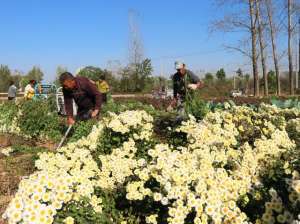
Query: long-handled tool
x=65, y=136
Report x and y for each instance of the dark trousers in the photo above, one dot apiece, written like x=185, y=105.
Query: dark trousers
x=83, y=115
x=104, y=97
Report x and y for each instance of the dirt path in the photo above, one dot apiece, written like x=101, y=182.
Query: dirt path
x=14, y=167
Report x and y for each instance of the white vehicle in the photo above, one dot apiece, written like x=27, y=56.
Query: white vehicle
x=236, y=93
x=168, y=93
x=60, y=104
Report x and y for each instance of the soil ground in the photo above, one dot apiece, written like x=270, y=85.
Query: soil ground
x=15, y=167
x=12, y=169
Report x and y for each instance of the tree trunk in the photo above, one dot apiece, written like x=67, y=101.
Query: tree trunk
x=274, y=47
x=254, y=54
x=262, y=47
x=290, y=48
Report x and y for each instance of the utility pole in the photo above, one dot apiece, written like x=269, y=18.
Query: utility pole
x=162, y=73
x=234, y=82
x=297, y=75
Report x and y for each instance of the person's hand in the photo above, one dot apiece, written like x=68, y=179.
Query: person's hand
x=172, y=104
x=193, y=86
x=71, y=121
x=200, y=85
x=94, y=113
x=169, y=108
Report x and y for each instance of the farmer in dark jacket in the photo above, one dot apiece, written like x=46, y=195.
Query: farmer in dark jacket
x=184, y=81
x=85, y=95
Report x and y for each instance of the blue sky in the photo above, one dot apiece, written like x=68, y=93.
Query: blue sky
x=76, y=33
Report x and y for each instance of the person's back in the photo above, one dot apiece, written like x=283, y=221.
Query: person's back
x=103, y=88
x=12, y=91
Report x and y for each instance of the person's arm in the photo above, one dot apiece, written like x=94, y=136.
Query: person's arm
x=93, y=91
x=15, y=90
x=26, y=91
x=195, y=80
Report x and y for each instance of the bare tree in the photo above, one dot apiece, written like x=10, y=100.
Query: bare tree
x=135, y=48
x=262, y=45
x=269, y=7
x=290, y=58
x=135, y=39
x=254, y=53
x=242, y=22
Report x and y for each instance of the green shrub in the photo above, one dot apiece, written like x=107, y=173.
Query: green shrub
x=195, y=106
x=81, y=129
x=36, y=120
x=289, y=103
x=165, y=129
x=8, y=114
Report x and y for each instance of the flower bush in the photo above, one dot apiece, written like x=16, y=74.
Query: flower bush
x=119, y=128
x=7, y=151
x=8, y=118
x=30, y=119
x=38, y=121
x=239, y=165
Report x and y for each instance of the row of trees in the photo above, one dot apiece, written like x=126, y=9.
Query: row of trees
x=262, y=22
x=242, y=81
x=132, y=78
x=220, y=75
x=135, y=77
x=20, y=79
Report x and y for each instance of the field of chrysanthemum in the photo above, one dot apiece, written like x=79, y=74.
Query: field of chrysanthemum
x=225, y=164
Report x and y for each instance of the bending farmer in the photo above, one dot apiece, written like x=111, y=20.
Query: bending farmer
x=85, y=95
x=183, y=81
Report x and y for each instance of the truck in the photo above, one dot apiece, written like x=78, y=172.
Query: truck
x=60, y=104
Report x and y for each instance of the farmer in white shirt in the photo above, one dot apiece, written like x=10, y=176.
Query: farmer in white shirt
x=12, y=91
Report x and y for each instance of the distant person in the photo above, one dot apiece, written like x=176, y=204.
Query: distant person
x=38, y=88
x=29, y=90
x=103, y=87
x=12, y=91
x=38, y=91
x=84, y=93
x=184, y=81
